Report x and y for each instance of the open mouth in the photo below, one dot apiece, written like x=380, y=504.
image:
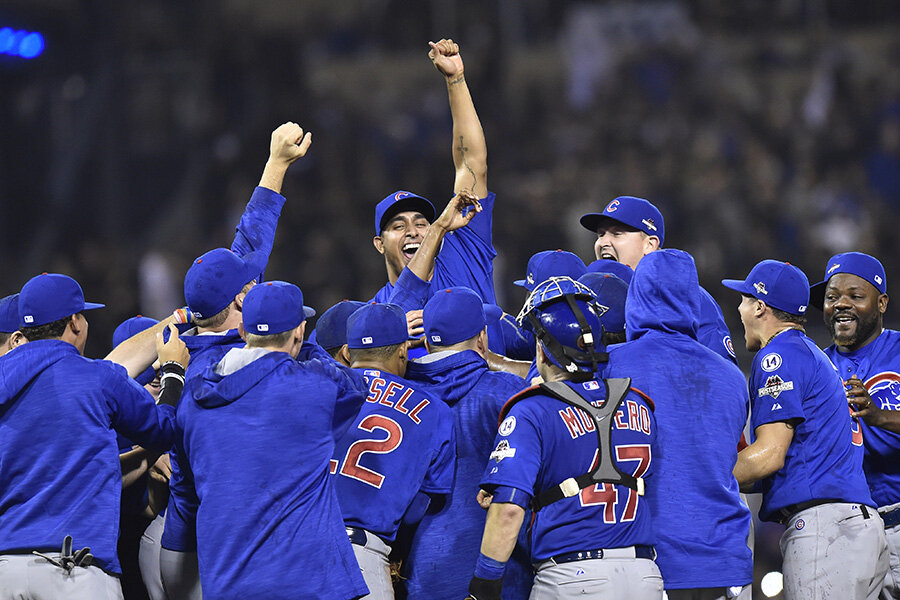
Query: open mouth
x=607, y=255
x=842, y=321
x=409, y=250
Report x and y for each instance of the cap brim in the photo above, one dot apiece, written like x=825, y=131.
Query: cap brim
x=415, y=203
x=308, y=311
x=492, y=313
x=522, y=283
x=738, y=285
x=591, y=221
x=92, y=306
x=817, y=295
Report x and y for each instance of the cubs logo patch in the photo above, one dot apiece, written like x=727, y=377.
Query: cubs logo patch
x=729, y=347
x=612, y=206
x=800, y=524
x=502, y=451
x=508, y=425
x=770, y=362
x=774, y=386
x=884, y=388
x=400, y=195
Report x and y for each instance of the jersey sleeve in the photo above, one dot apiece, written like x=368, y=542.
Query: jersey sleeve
x=516, y=458
x=135, y=415
x=439, y=477
x=351, y=393
x=256, y=230
x=180, y=533
x=482, y=224
x=776, y=388
x=410, y=292
x=467, y=255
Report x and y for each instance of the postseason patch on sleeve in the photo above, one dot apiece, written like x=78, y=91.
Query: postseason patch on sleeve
x=503, y=450
x=774, y=386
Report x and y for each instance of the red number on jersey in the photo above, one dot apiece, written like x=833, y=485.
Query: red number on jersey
x=606, y=493
x=352, y=468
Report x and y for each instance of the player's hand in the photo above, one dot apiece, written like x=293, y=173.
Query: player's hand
x=161, y=471
x=861, y=403
x=456, y=213
x=446, y=59
x=484, y=499
x=173, y=350
x=414, y=323
x=289, y=143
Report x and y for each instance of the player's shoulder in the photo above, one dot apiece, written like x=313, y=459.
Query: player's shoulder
x=502, y=383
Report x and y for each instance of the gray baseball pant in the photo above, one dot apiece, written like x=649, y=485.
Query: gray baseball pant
x=613, y=577
x=834, y=551
x=891, y=590
x=728, y=593
x=375, y=567
x=148, y=558
x=180, y=574
x=30, y=577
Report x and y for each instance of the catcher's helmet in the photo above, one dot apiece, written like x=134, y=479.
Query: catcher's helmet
x=565, y=317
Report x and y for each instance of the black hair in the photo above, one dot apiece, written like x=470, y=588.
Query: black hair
x=47, y=331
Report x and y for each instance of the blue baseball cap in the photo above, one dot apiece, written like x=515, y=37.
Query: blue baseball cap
x=274, y=307
x=620, y=270
x=779, y=284
x=128, y=328
x=631, y=211
x=457, y=314
x=216, y=277
x=611, y=293
x=375, y=325
x=9, y=314
x=399, y=202
x=551, y=263
x=855, y=263
x=331, y=328
x=50, y=297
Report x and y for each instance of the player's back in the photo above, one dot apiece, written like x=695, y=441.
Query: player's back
x=258, y=440
x=878, y=366
x=824, y=460
x=401, y=443
x=701, y=408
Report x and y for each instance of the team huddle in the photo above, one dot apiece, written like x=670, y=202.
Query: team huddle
x=426, y=444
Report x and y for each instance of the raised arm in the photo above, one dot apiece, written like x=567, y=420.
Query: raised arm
x=468, y=147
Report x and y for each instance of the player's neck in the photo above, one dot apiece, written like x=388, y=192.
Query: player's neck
x=779, y=329
x=375, y=365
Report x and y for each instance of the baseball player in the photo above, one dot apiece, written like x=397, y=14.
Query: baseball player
x=214, y=287
x=9, y=324
x=59, y=413
x=331, y=329
x=630, y=228
x=397, y=457
x=445, y=545
x=702, y=529
x=805, y=450
x=853, y=298
x=287, y=539
x=577, y=450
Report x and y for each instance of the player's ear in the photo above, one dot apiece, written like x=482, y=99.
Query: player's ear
x=482, y=342
x=882, y=303
x=301, y=331
x=378, y=243
x=344, y=355
x=651, y=244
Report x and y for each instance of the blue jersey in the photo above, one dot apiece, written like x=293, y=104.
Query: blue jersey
x=543, y=442
x=792, y=379
x=877, y=364
x=268, y=521
x=401, y=443
x=712, y=331
x=447, y=543
x=465, y=258
x=701, y=409
x=59, y=460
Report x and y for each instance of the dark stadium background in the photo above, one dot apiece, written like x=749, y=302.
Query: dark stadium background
x=762, y=129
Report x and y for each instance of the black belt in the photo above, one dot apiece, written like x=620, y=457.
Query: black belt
x=891, y=518
x=357, y=536
x=639, y=552
x=787, y=513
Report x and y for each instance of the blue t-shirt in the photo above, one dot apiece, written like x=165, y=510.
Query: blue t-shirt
x=877, y=364
x=400, y=443
x=465, y=258
x=255, y=445
x=59, y=460
x=543, y=442
x=792, y=379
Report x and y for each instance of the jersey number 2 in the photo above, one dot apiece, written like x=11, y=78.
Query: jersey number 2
x=352, y=468
x=607, y=494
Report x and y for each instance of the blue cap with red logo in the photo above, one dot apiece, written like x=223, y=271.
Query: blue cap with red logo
x=779, y=284
x=399, y=202
x=457, y=314
x=376, y=325
x=854, y=263
x=9, y=314
x=551, y=263
x=50, y=297
x=331, y=328
x=215, y=278
x=620, y=270
x=631, y=211
x=273, y=307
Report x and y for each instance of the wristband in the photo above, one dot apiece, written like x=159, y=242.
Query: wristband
x=172, y=367
x=488, y=568
x=183, y=315
x=484, y=589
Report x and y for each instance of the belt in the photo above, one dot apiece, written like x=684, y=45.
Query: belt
x=357, y=536
x=637, y=551
x=891, y=518
x=786, y=514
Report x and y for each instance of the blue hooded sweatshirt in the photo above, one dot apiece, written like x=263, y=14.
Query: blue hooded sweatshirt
x=59, y=460
x=255, y=436
x=701, y=409
x=447, y=543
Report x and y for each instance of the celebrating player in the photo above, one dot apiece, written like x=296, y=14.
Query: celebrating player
x=398, y=455
x=10, y=337
x=805, y=450
x=853, y=298
x=701, y=530
x=580, y=468
x=629, y=229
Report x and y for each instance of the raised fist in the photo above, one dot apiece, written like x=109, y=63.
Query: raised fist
x=446, y=59
x=289, y=143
